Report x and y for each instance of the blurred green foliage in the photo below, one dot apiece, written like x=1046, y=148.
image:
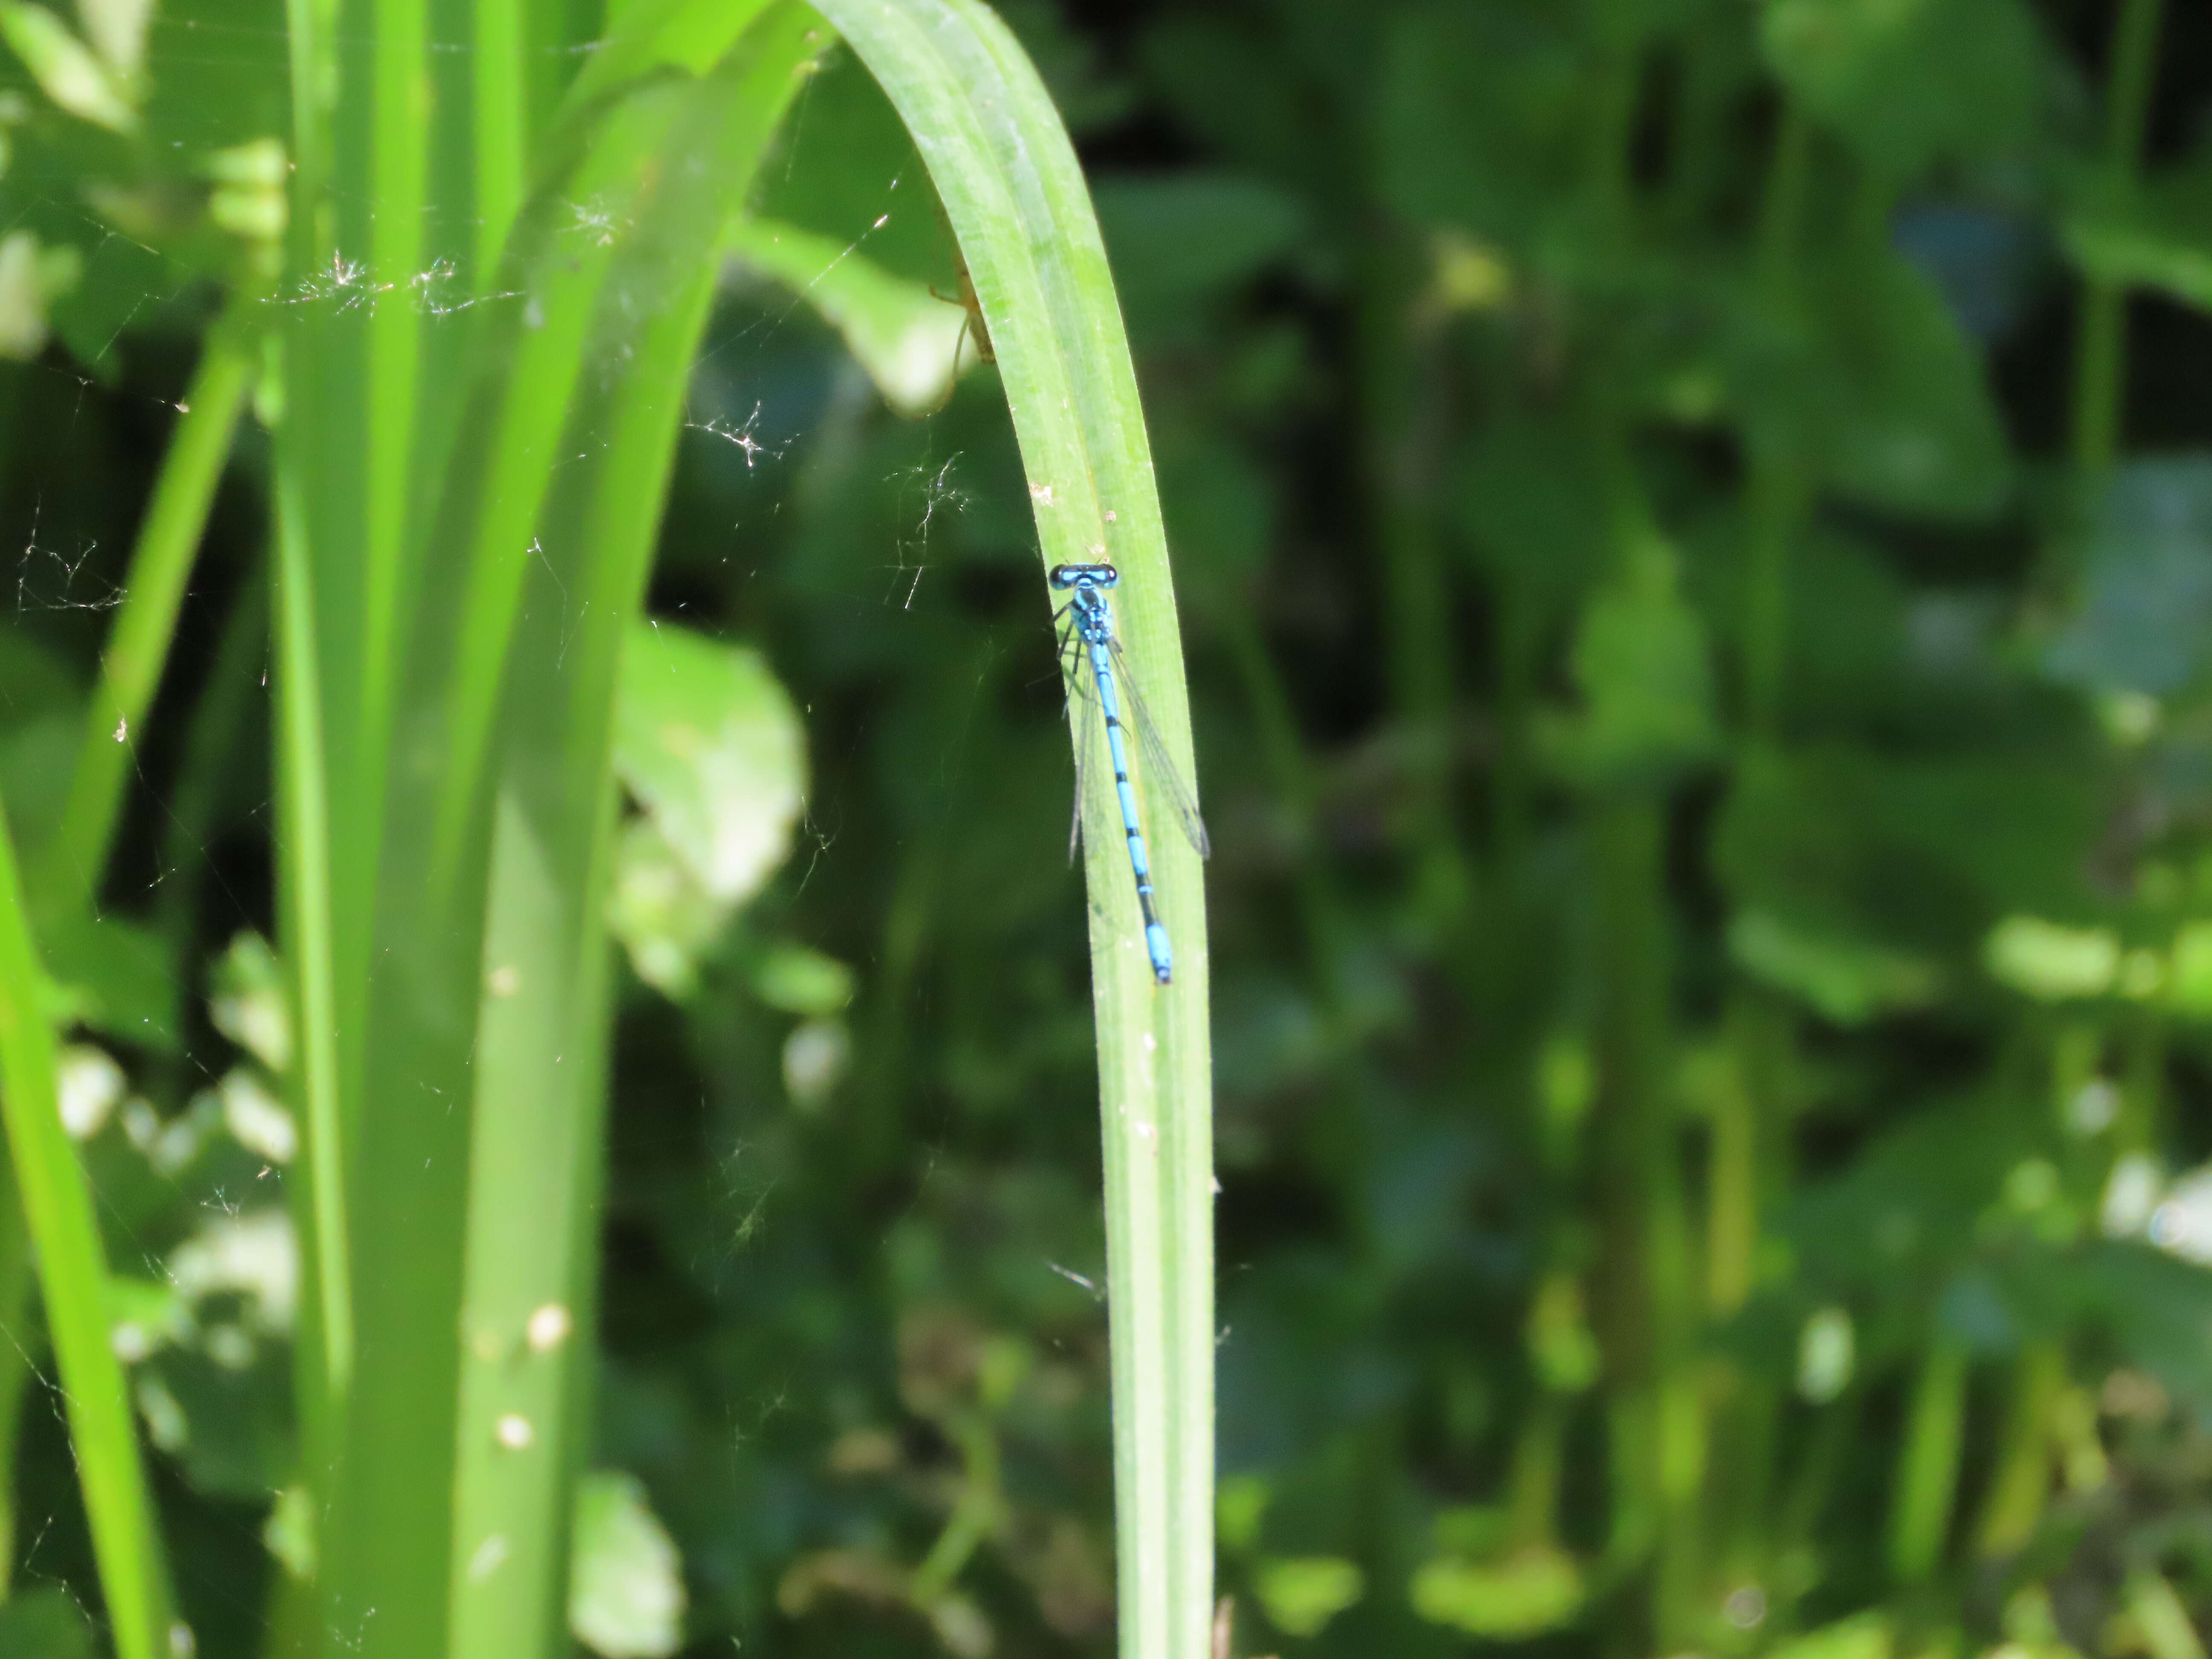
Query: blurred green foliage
x=1707, y=741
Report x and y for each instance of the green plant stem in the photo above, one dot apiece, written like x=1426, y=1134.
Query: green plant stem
x=1814, y=1481
x=1645, y=1292
x=2142, y=1081
x=1521, y=616
x=57, y=1203
x=1750, y=1124
x=1400, y=392
x=1776, y=494
x=2022, y=1483
x=1532, y=1501
x=1646, y=1288
x=69, y=870
x=2100, y=330
x=1928, y=1463
x=974, y=1517
x=1290, y=770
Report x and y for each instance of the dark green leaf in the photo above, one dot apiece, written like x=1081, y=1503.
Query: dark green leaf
x=1909, y=82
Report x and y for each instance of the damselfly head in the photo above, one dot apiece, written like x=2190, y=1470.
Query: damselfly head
x=1085, y=576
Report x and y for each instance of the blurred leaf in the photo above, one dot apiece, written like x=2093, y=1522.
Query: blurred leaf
x=1846, y=981
x=1641, y=663
x=816, y=1057
x=2161, y=1616
x=221, y=1409
x=43, y=1624
x=1240, y=1505
x=1872, y=381
x=1865, y=1636
x=1560, y=1342
x=2188, y=986
x=708, y=741
x=256, y=1118
x=31, y=277
x=1909, y=82
x=209, y=101
x=1071, y=63
x=1221, y=511
x=2158, y=236
x=626, y=1586
x=117, y=978
x=1983, y=262
x=1536, y=1589
x=1300, y=1594
x=662, y=912
x=1480, y=118
x=91, y=1086
x=2052, y=964
x=2157, y=1310
x=1826, y=1349
x=1923, y=855
x=65, y=67
x=250, y=1259
x=289, y=1532
x=798, y=980
x=2146, y=619
x=1230, y=79
x=850, y=173
x=248, y=1004
x=1904, y=1213
x=147, y=1316
x=903, y=334
x=1178, y=240
x=1528, y=500
x=123, y=283
x=117, y=29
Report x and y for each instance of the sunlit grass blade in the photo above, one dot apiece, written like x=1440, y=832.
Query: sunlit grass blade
x=1017, y=203
x=317, y=1185
x=56, y=1201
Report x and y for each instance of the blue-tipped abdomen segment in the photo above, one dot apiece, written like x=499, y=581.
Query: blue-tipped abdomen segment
x=1155, y=941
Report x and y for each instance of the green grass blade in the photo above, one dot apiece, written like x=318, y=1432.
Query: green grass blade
x=16, y=1366
x=690, y=35
x=1016, y=198
x=502, y=134
x=73, y=1279
x=400, y=120
x=69, y=870
x=318, y=1184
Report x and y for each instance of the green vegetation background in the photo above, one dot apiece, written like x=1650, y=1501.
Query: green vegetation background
x=1693, y=526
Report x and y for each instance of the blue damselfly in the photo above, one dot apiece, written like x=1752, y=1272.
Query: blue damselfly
x=1087, y=632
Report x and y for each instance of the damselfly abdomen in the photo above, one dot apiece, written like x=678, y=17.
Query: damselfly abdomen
x=1087, y=632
